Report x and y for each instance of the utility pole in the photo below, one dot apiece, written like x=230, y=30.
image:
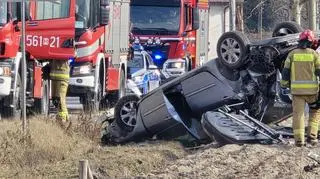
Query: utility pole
x=232, y=15
x=23, y=68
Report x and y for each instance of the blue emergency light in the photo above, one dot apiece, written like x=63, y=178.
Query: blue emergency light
x=71, y=60
x=158, y=57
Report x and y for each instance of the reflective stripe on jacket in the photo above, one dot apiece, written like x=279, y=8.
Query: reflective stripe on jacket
x=303, y=66
x=60, y=70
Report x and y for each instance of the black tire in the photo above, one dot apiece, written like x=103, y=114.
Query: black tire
x=126, y=123
x=92, y=102
x=232, y=49
x=41, y=106
x=14, y=112
x=286, y=28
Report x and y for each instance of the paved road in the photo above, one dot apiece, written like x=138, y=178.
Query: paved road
x=73, y=103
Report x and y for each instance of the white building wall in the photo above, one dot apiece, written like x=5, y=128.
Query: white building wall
x=218, y=24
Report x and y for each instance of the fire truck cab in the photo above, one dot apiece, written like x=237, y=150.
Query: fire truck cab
x=175, y=32
x=93, y=35
x=10, y=67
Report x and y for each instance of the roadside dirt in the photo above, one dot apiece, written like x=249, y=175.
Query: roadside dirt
x=246, y=161
x=49, y=152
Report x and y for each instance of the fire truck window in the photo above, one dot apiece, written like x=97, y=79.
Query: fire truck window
x=155, y=20
x=52, y=10
x=94, y=13
x=3, y=14
x=82, y=13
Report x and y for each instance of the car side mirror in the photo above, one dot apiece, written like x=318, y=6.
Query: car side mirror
x=104, y=12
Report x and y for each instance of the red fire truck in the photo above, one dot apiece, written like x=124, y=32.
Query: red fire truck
x=93, y=35
x=10, y=67
x=174, y=32
x=78, y=30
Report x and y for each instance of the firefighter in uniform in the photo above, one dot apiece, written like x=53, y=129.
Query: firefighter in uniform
x=300, y=73
x=58, y=72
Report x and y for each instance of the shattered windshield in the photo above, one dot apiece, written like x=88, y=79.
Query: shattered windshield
x=82, y=14
x=152, y=20
x=3, y=13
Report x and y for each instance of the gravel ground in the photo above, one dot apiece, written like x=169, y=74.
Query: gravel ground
x=245, y=161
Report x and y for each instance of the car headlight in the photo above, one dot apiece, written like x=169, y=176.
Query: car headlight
x=5, y=71
x=82, y=70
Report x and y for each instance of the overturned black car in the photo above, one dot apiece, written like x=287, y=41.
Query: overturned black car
x=230, y=99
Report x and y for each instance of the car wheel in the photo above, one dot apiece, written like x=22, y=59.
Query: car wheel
x=286, y=28
x=125, y=112
x=15, y=112
x=232, y=49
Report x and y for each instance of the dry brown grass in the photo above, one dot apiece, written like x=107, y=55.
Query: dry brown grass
x=50, y=152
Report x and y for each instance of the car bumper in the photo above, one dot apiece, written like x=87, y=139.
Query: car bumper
x=5, y=85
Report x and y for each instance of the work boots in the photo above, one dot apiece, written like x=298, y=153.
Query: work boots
x=64, y=124
x=312, y=141
x=300, y=144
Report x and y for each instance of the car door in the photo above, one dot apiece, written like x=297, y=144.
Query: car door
x=51, y=30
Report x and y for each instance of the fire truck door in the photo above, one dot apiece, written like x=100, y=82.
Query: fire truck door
x=50, y=34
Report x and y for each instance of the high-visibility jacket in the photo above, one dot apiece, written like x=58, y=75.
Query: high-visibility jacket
x=59, y=70
x=302, y=68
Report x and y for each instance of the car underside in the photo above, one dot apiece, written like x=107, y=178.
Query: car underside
x=231, y=99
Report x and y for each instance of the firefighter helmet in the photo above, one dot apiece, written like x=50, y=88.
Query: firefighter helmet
x=306, y=35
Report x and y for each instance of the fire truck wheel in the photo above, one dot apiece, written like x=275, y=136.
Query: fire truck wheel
x=232, y=49
x=41, y=106
x=92, y=102
x=125, y=112
x=15, y=111
x=286, y=28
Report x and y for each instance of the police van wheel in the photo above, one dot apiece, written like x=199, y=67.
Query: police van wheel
x=14, y=112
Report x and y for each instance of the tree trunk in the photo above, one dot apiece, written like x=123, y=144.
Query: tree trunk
x=312, y=15
x=296, y=11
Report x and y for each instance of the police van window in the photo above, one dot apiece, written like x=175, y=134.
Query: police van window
x=149, y=60
x=53, y=9
x=136, y=62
